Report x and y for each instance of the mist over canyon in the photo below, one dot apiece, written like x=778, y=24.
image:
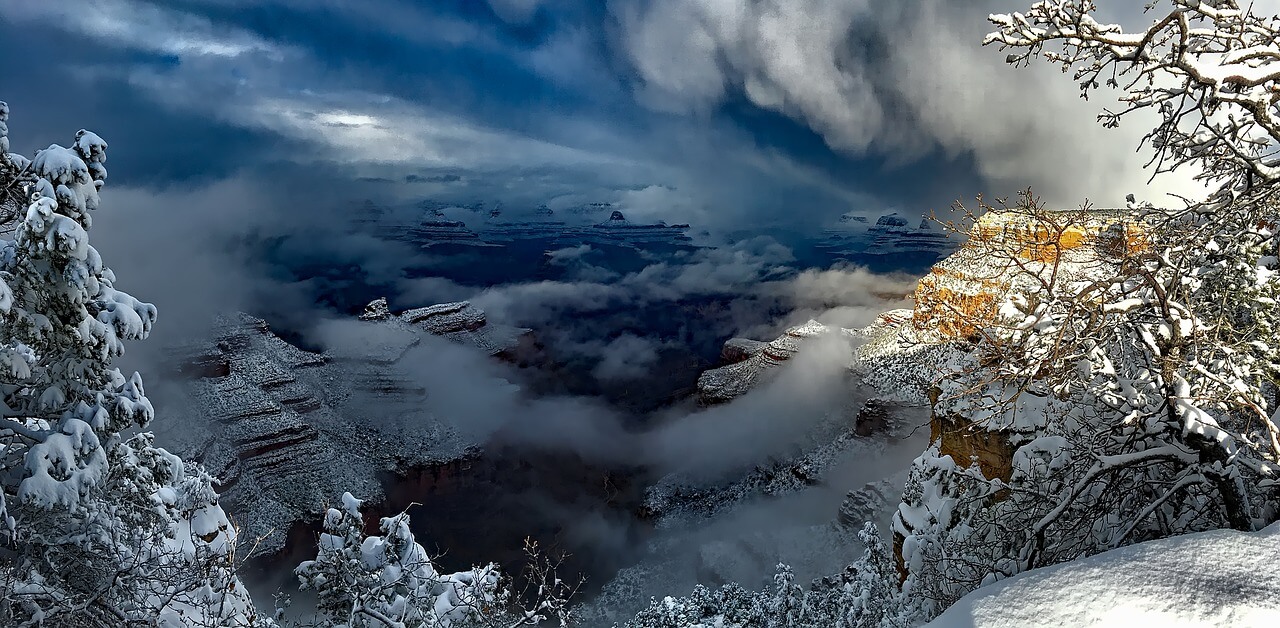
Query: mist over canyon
x=551, y=403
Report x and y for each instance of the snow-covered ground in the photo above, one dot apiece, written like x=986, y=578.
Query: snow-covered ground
x=1219, y=578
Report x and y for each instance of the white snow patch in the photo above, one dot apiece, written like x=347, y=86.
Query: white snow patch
x=1218, y=578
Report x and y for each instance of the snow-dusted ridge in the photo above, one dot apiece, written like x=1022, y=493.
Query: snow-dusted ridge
x=750, y=361
x=897, y=359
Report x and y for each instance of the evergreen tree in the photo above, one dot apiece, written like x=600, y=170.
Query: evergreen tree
x=101, y=528
x=388, y=580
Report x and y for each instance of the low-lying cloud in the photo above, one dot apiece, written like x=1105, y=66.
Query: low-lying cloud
x=483, y=399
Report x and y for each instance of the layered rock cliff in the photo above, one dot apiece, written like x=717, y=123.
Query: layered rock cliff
x=905, y=353
x=286, y=430
x=961, y=295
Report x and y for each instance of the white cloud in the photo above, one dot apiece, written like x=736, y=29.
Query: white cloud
x=894, y=80
x=125, y=22
x=515, y=11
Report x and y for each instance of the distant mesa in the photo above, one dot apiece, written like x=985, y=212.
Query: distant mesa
x=892, y=220
x=448, y=225
x=437, y=178
x=891, y=241
x=620, y=231
x=537, y=229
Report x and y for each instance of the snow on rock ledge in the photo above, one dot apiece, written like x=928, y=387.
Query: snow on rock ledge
x=890, y=355
x=1219, y=578
x=738, y=349
x=721, y=385
x=460, y=322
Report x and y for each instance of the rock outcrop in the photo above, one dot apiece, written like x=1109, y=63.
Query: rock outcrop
x=376, y=310
x=888, y=355
x=960, y=294
x=750, y=362
x=870, y=502
x=961, y=297
x=736, y=350
x=466, y=324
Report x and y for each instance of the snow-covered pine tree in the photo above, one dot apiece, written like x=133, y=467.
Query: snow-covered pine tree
x=100, y=527
x=15, y=175
x=389, y=580
x=864, y=595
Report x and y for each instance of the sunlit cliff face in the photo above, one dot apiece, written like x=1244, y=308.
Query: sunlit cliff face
x=962, y=293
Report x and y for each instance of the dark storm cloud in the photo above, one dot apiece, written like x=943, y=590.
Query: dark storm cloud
x=527, y=101
x=896, y=81
x=757, y=113
x=56, y=82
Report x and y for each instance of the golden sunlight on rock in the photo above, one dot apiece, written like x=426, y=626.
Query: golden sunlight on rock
x=961, y=294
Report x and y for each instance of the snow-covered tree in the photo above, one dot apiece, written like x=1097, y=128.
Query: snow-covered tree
x=389, y=581
x=100, y=527
x=1136, y=386
x=15, y=176
x=864, y=595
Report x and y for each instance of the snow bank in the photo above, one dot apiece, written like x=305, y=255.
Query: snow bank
x=1218, y=578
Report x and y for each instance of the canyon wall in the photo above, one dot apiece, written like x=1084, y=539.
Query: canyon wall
x=961, y=298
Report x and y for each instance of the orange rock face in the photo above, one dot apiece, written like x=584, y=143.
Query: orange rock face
x=955, y=304
x=962, y=293
x=968, y=444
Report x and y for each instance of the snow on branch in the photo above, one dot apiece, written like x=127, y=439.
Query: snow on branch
x=1210, y=69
